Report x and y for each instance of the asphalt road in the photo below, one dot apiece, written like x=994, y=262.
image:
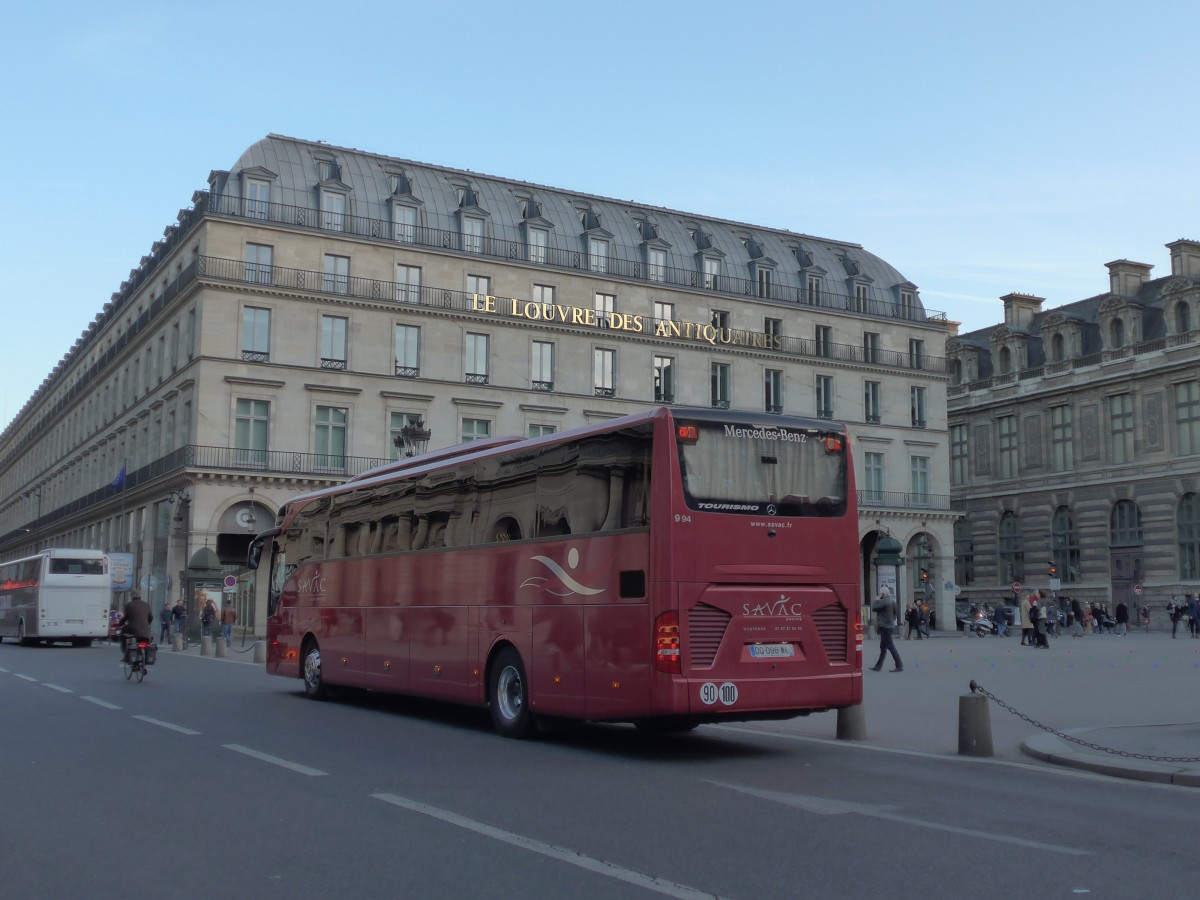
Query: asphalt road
x=212, y=779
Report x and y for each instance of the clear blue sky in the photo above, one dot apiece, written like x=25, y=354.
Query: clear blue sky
x=979, y=148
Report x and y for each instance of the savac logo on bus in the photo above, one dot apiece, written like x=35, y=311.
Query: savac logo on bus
x=784, y=606
x=567, y=585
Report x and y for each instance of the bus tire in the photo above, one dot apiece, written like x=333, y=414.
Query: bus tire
x=310, y=670
x=508, y=696
x=21, y=638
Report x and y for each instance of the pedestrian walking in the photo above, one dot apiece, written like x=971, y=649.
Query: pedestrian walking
x=1193, y=611
x=1174, y=612
x=1122, y=617
x=1077, y=615
x=208, y=616
x=178, y=616
x=164, y=624
x=228, y=619
x=1027, y=638
x=885, y=620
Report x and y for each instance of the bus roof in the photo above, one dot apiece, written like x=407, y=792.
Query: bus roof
x=437, y=455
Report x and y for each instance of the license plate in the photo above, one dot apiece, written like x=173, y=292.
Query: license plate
x=74, y=621
x=772, y=650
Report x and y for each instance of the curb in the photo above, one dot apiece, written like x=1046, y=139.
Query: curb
x=1052, y=749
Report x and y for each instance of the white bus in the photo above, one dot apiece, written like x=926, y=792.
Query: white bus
x=57, y=595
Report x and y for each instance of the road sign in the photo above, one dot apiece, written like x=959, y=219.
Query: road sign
x=1016, y=587
x=1137, y=589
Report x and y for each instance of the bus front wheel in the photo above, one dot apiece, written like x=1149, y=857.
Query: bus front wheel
x=508, y=696
x=314, y=685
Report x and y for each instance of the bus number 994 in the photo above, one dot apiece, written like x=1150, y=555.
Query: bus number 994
x=684, y=520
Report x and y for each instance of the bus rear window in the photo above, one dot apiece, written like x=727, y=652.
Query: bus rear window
x=764, y=470
x=61, y=565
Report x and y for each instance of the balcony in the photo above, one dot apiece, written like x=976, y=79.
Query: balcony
x=868, y=499
x=544, y=386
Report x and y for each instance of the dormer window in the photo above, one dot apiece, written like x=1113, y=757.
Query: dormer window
x=712, y=274
x=1117, y=331
x=328, y=170
x=404, y=223
x=472, y=234
x=597, y=255
x=398, y=183
x=539, y=239
x=1058, y=348
x=656, y=262
x=813, y=290
x=258, y=198
x=1183, y=318
x=333, y=211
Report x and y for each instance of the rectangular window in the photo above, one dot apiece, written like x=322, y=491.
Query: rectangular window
x=814, y=290
x=408, y=351
x=330, y=438
x=539, y=238
x=472, y=234
x=664, y=379
x=1062, y=439
x=256, y=334
x=873, y=477
x=908, y=306
x=718, y=377
x=476, y=362
x=597, y=255
x=824, y=396
x=872, y=409
x=475, y=429
x=823, y=340
x=764, y=282
x=1120, y=415
x=333, y=342
x=543, y=293
x=720, y=318
x=916, y=402
x=919, y=468
x=664, y=312
x=657, y=264
x=542, y=366
x=916, y=353
x=712, y=274
x=605, y=305
x=1187, y=418
x=958, y=454
x=862, y=297
x=605, y=372
x=397, y=422
x=408, y=283
x=333, y=208
x=258, y=198
x=773, y=328
x=773, y=390
x=404, y=223
x=337, y=274
x=479, y=284
x=250, y=430
x=1008, y=446
x=870, y=347
x=537, y=430
x=258, y=263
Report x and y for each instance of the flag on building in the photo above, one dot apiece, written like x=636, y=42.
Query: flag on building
x=118, y=483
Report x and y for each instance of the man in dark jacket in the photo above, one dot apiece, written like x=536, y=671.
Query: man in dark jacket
x=137, y=619
x=885, y=620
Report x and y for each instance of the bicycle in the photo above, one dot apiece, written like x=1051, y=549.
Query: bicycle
x=137, y=659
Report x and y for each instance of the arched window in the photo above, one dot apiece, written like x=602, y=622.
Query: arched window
x=1125, y=524
x=1065, y=545
x=1012, y=560
x=1118, y=334
x=1183, y=318
x=1005, y=360
x=1187, y=523
x=1058, y=348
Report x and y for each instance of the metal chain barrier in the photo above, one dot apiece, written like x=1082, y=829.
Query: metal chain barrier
x=977, y=688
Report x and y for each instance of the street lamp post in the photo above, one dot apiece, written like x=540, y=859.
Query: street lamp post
x=413, y=438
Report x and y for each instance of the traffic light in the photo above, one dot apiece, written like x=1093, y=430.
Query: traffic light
x=1051, y=570
x=924, y=576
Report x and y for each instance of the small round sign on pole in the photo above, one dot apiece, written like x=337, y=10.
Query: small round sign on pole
x=1016, y=586
x=230, y=584
x=1137, y=589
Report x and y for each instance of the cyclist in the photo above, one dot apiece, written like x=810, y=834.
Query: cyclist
x=136, y=621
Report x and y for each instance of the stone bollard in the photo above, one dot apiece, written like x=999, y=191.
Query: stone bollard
x=852, y=723
x=205, y=645
x=974, y=726
x=219, y=643
x=260, y=651
x=177, y=641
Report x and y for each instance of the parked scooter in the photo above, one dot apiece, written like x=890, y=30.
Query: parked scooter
x=976, y=621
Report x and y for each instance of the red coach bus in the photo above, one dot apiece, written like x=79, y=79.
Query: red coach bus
x=668, y=568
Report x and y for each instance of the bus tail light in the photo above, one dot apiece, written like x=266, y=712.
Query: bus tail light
x=687, y=434
x=666, y=643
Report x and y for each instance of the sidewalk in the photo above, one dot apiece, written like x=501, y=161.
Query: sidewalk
x=1136, y=695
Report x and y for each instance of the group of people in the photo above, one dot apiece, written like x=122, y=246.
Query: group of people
x=173, y=619
x=1178, y=610
x=916, y=617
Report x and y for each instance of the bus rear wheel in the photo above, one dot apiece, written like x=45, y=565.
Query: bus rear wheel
x=508, y=696
x=21, y=638
x=314, y=684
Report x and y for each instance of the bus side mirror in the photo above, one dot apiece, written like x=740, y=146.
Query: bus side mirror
x=254, y=556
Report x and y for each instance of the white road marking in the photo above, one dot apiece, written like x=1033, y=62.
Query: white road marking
x=273, y=760
x=59, y=688
x=571, y=857
x=27, y=678
x=828, y=807
x=161, y=724
x=100, y=702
